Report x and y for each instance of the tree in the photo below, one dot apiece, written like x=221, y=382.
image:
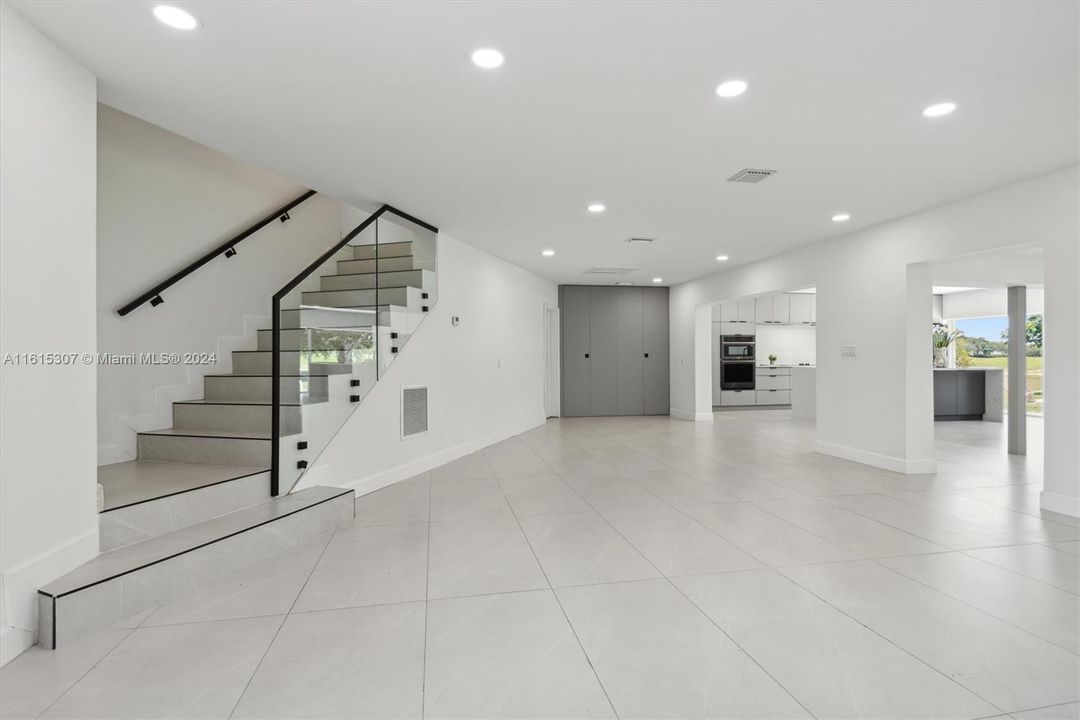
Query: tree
x=1034, y=330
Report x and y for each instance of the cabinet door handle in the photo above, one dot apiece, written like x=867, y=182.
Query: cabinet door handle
x=586, y=356
x=646, y=354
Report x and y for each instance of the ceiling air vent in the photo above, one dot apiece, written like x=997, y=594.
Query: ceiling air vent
x=643, y=240
x=414, y=410
x=750, y=175
x=608, y=270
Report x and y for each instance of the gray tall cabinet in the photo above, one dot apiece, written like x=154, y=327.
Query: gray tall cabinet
x=614, y=350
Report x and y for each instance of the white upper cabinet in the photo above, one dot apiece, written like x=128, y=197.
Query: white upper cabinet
x=813, y=309
x=772, y=309
x=780, y=311
x=746, y=311
x=800, y=304
x=763, y=309
x=729, y=311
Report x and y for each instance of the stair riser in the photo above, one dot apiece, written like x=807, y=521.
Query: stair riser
x=355, y=298
x=127, y=525
x=386, y=250
x=261, y=363
x=299, y=339
x=385, y=264
x=240, y=418
x=64, y=619
x=318, y=317
x=257, y=389
x=386, y=280
x=205, y=450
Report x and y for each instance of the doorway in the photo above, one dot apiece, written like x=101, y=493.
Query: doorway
x=550, y=344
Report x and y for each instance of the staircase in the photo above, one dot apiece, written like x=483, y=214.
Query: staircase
x=208, y=495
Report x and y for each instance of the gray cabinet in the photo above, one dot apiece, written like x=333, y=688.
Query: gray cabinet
x=959, y=394
x=614, y=350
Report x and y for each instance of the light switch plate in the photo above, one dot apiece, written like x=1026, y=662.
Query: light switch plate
x=847, y=351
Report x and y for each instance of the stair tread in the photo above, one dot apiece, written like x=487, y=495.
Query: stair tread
x=136, y=481
x=232, y=434
x=251, y=375
x=136, y=556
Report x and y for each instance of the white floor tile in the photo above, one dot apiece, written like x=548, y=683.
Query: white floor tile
x=476, y=557
x=507, y=656
x=581, y=548
x=181, y=671
x=542, y=496
x=403, y=502
x=1050, y=613
x=369, y=566
x=467, y=499
x=834, y=666
x=1002, y=664
x=658, y=656
x=1041, y=562
x=353, y=663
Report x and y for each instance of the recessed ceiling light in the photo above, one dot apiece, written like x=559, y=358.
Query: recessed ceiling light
x=841, y=217
x=722, y=258
x=939, y=109
x=488, y=58
x=548, y=253
x=174, y=17
x=731, y=88
x=597, y=208
x=658, y=279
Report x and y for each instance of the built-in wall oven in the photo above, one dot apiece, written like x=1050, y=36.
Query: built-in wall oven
x=737, y=347
x=737, y=362
x=736, y=375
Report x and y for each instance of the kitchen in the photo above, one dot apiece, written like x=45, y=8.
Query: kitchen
x=764, y=352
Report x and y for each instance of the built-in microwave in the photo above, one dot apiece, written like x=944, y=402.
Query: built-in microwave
x=737, y=347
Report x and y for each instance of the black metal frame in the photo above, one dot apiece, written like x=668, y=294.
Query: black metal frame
x=275, y=361
x=227, y=248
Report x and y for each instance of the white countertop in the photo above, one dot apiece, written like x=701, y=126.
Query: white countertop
x=782, y=365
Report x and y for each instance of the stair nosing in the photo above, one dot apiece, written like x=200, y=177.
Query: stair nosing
x=380, y=272
x=241, y=403
x=266, y=375
x=57, y=596
x=185, y=490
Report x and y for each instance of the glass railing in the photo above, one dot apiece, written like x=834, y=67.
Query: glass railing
x=338, y=326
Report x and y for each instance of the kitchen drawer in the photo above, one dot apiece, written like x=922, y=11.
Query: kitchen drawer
x=773, y=397
x=772, y=371
x=772, y=382
x=737, y=397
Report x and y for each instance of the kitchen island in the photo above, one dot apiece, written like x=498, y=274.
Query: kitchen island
x=969, y=394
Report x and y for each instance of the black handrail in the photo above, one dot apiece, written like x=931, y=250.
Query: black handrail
x=153, y=295
x=275, y=361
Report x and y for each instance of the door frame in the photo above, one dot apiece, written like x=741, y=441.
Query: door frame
x=550, y=352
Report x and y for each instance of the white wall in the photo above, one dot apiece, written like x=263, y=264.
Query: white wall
x=485, y=376
x=163, y=201
x=873, y=408
x=48, y=510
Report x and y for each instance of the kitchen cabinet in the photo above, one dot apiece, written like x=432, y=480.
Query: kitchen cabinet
x=801, y=308
x=959, y=394
x=746, y=311
x=772, y=309
x=773, y=397
x=729, y=311
x=732, y=398
x=614, y=344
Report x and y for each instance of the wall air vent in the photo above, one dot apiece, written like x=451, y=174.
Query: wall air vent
x=644, y=240
x=414, y=410
x=750, y=175
x=608, y=270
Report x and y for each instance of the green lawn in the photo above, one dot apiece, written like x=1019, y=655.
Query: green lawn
x=1034, y=376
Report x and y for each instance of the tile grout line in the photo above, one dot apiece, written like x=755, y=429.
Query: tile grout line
x=90, y=669
x=285, y=617
x=427, y=602
x=550, y=588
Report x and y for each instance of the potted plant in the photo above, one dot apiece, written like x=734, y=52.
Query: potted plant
x=943, y=340
x=772, y=359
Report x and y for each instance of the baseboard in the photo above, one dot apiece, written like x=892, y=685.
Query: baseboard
x=20, y=585
x=692, y=417
x=1061, y=504
x=370, y=483
x=886, y=462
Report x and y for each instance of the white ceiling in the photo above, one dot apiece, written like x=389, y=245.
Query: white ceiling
x=604, y=101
